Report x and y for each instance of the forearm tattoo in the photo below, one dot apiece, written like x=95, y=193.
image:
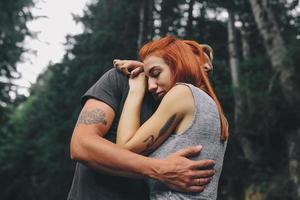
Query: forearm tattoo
x=167, y=125
x=95, y=116
x=150, y=141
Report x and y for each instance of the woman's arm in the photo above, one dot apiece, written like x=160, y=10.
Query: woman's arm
x=145, y=138
x=130, y=117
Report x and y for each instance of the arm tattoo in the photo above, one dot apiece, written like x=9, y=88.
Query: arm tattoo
x=94, y=116
x=167, y=125
x=151, y=139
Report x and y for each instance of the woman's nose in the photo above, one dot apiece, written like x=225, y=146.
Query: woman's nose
x=152, y=86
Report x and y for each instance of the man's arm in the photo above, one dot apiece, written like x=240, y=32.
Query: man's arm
x=89, y=147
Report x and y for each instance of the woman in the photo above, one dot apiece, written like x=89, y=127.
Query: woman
x=189, y=112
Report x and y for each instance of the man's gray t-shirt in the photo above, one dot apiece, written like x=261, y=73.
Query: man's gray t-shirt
x=111, y=88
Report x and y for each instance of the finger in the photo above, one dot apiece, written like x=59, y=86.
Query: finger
x=125, y=66
x=200, y=181
x=194, y=188
x=115, y=61
x=136, y=72
x=203, y=164
x=140, y=75
x=124, y=70
x=197, y=173
x=190, y=151
x=132, y=64
x=119, y=62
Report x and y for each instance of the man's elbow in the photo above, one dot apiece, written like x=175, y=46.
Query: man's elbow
x=76, y=151
x=73, y=154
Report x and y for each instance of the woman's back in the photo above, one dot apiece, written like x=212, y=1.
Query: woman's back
x=205, y=130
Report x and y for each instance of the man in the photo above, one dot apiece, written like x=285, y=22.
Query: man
x=103, y=168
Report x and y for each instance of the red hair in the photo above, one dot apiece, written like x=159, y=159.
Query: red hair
x=186, y=60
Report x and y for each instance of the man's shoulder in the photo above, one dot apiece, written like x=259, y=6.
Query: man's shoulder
x=109, y=88
x=114, y=75
x=113, y=79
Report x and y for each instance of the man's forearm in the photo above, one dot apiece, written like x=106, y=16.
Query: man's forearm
x=106, y=157
x=176, y=171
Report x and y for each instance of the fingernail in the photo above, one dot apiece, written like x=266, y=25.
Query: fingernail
x=199, y=147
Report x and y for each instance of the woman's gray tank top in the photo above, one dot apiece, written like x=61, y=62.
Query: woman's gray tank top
x=205, y=130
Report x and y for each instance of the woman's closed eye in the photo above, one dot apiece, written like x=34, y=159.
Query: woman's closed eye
x=155, y=73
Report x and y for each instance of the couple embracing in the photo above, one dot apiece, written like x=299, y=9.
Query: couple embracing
x=151, y=124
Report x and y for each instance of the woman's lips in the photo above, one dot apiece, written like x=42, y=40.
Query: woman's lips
x=159, y=94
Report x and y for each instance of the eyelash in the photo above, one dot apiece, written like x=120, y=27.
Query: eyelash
x=155, y=74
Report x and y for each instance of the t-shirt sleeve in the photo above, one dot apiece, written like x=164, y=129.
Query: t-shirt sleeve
x=109, y=89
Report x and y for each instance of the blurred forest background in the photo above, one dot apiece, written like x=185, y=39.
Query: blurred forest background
x=256, y=75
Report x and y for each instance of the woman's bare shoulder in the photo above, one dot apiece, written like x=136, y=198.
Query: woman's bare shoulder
x=180, y=98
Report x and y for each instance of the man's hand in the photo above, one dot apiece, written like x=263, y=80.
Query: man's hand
x=129, y=67
x=184, y=175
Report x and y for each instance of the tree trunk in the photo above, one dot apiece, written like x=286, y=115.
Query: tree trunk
x=289, y=79
x=244, y=31
x=277, y=50
x=245, y=43
x=149, y=30
x=234, y=66
x=234, y=63
x=145, y=22
x=189, y=26
x=294, y=157
x=141, y=25
x=168, y=16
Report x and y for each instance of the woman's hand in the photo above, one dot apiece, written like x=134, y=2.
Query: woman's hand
x=138, y=84
x=129, y=67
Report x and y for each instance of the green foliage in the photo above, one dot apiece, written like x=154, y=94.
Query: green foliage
x=34, y=143
x=36, y=146
x=13, y=18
